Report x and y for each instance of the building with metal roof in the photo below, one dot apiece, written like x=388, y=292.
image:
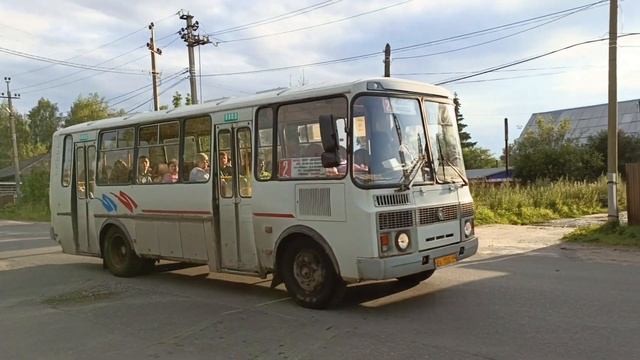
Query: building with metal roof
x=590, y=120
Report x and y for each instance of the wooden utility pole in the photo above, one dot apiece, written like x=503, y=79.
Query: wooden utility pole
x=506, y=146
x=387, y=60
x=151, y=45
x=612, y=153
x=14, y=139
x=192, y=40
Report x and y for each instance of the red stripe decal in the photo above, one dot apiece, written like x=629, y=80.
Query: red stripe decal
x=176, y=212
x=288, y=216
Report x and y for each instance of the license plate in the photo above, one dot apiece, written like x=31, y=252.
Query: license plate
x=446, y=260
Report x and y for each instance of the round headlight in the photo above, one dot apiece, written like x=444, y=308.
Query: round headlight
x=402, y=241
x=468, y=228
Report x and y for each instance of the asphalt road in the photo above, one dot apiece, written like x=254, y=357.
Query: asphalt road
x=512, y=301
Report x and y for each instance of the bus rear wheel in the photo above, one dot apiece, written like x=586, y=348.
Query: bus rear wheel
x=119, y=257
x=310, y=276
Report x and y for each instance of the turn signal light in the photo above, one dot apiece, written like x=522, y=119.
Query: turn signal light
x=384, y=242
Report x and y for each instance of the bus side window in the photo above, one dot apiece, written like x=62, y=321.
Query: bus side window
x=264, y=147
x=67, y=163
x=197, y=149
x=115, y=157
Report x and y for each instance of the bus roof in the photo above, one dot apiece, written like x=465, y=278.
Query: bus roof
x=262, y=98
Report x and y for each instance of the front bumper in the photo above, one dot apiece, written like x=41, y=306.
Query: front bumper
x=397, y=266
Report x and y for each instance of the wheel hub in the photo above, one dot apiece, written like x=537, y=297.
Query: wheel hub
x=308, y=271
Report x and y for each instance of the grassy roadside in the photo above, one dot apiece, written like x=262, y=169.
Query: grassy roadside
x=607, y=234
x=26, y=212
x=518, y=204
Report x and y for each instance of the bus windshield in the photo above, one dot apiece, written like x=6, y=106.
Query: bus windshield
x=445, y=142
x=389, y=142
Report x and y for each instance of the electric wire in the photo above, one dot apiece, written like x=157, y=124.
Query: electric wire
x=522, y=61
x=161, y=93
x=317, y=25
x=276, y=18
x=142, y=89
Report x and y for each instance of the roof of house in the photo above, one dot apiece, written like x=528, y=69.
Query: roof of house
x=590, y=120
x=485, y=173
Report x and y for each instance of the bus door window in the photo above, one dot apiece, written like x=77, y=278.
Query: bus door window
x=91, y=162
x=225, y=164
x=81, y=174
x=243, y=141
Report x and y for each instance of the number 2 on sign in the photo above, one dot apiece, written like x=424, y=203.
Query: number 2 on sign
x=285, y=168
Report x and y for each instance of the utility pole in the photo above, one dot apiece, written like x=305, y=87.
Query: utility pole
x=506, y=146
x=387, y=60
x=151, y=45
x=612, y=153
x=192, y=40
x=14, y=138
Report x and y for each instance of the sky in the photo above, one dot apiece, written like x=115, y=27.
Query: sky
x=250, y=36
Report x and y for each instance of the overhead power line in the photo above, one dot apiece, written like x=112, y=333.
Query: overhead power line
x=142, y=90
x=176, y=83
x=98, y=47
x=317, y=25
x=415, y=46
x=522, y=61
x=277, y=18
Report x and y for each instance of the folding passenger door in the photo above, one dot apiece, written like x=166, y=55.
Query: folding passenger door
x=237, y=246
x=85, y=165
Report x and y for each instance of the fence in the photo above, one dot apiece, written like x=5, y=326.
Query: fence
x=7, y=193
x=633, y=193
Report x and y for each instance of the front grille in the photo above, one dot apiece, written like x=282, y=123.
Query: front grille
x=467, y=210
x=437, y=214
x=391, y=199
x=395, y=220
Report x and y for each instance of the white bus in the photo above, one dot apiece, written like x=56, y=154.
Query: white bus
x=319, y=186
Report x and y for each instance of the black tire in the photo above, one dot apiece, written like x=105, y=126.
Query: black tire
x=415, y=279
x=309, y=275
x=118, y=255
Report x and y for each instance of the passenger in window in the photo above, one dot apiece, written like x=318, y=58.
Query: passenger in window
x=119, y=173
x=144, y=172
x=225, y=165
x=172, y=175
x=361, y=160
x=200, y=173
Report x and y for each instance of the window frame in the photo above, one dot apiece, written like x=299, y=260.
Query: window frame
x=100, y=150
x=137, y=147
x=275, y=142
x=64, y=158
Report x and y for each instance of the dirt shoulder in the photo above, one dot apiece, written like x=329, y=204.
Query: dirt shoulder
x=500, y=240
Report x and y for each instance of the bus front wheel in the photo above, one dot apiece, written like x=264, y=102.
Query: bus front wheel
x=310, y=276
x=119, y=257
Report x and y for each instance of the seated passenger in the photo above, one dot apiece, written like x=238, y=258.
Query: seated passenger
x=119, y=173
x=200, y=173
x=172, y=175
x=144, y=172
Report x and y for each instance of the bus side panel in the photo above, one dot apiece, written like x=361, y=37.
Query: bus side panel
x=60, y=200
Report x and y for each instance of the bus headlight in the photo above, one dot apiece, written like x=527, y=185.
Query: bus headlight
x=402, y=241
x=468, y=228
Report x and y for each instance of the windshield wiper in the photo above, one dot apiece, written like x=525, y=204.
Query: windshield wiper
x=396, y=125
x=444, y=162
x=409, y=175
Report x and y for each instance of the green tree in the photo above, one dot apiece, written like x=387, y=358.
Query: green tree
x=177, y=99
x=628, y=149
x=476, y=157
x=547, y=152
x=465, y=137
x=25, y=148
x=43, y=122
x=187, y=99
x=90, y=108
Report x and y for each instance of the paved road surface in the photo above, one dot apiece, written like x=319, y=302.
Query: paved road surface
x=520, y=299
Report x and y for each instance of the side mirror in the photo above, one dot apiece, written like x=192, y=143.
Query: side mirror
x=329, y=134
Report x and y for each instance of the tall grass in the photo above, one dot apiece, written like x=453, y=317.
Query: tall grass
x=541, y=201
x=34, y=204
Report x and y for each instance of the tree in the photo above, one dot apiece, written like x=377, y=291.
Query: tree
x=464, y=136
x=90, y=108
x=177, y=100
x=548, y=152
x=43, y=122
x=476, y=157
x=187, y=100
x=25, y=148
x=628, y=149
